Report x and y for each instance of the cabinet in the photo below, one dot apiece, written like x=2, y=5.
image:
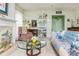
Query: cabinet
x=38, y=27
x=42, y=27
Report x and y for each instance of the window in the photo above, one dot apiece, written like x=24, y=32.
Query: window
x=19, y=19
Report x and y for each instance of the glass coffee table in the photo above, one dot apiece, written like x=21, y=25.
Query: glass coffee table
x=31, y=50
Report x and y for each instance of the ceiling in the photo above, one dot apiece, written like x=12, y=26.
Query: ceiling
x=40, y=6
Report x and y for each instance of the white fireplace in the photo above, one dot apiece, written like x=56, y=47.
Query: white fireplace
x=8, y=24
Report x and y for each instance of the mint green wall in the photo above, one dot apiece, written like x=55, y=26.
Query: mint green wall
x=57, y=22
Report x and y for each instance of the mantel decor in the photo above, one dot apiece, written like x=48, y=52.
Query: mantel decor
x=4, y=8
x=43, y=16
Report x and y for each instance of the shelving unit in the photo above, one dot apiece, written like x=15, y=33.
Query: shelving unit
x=42, y=27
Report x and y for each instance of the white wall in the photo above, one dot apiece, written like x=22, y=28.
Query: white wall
x=11, y=15
x=19, y=16
x=34, y=14
x=11, y=11
x=76, y=17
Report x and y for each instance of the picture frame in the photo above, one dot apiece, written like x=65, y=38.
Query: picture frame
x=34, y=23
x=4, y=8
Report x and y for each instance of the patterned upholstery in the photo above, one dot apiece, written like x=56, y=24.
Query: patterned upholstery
x=71, y=37
x=69, y=40
x=24, y=35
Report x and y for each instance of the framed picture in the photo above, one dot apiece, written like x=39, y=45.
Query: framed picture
x=77, y=21
x=34, y=23
x=4, y=8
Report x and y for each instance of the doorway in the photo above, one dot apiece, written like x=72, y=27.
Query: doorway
x=57, y=22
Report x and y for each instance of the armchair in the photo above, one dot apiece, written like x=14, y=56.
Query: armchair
x=23, y=34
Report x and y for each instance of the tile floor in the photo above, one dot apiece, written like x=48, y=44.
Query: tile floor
x=45, y=51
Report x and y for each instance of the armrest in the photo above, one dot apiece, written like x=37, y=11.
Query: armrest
x=59, y=49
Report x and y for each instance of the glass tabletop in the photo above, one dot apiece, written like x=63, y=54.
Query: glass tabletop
x=22, y=44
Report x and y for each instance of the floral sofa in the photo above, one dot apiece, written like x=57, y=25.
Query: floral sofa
x=66, y=43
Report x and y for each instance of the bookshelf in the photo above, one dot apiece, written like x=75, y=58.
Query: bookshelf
x=42, y=27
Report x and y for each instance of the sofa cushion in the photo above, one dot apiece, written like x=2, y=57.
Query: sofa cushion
x=76, y=44
x=59, y=36
x=70, y=36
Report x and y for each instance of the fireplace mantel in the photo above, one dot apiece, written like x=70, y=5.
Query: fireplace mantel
x=7, y=19
x=7, y=24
